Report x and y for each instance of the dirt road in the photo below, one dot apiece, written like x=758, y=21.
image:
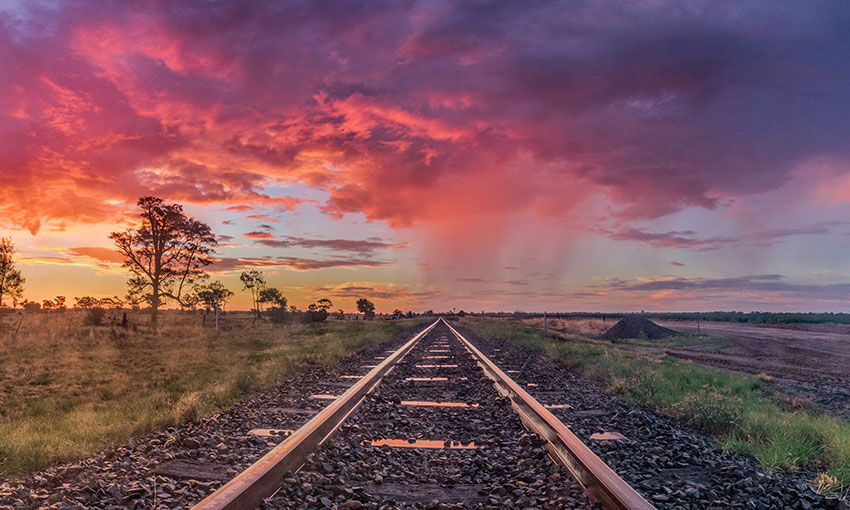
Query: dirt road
x=811, y=362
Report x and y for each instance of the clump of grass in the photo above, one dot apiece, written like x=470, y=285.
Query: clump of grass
x=617, y=385
x=740, y=410
x=190, y=407
x=710, y=410
x=825, y=483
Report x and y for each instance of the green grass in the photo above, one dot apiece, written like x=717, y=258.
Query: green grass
x=684, y=340
x=739, y=410
x=68, y=390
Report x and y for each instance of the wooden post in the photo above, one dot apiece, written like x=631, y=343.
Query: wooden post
x=216, y=312
x=545, y=326
x=19, y=326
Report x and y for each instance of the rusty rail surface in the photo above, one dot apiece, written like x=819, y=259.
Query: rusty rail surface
x=263, y=478
x=599, y=481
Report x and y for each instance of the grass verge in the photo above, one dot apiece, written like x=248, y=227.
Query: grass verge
x=68, y=390
x=739, y=410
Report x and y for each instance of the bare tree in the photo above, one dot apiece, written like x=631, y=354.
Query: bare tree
x=253, y=280
x=165, y=254
x=11, y=281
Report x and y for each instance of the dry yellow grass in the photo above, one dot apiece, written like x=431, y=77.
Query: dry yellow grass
x=586, y=327
x=67, y=390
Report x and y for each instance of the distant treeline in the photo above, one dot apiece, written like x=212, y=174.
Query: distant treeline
x=743, y=317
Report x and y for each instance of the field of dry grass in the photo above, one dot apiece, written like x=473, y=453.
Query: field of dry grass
x=585, y=327
x=67, y=390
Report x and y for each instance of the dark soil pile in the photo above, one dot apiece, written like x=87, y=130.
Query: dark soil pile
x=636, y=326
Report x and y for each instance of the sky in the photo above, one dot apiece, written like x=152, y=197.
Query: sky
x=599, y=155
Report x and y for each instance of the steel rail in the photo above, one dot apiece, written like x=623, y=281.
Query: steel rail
x=599, y=481
x=263, y=478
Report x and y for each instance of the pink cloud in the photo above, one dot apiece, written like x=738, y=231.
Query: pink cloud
x=258, y=234
x=451, y=119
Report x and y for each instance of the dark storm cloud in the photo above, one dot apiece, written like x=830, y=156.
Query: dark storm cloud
x=657, y=106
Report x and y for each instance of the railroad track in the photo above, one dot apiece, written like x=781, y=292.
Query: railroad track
x=444, y=424
x=674, y=467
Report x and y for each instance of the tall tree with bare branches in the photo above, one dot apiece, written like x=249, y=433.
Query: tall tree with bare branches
x=11, y=281
x=254, y=281
x=165, y=253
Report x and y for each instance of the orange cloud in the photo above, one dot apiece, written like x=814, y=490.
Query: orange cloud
x=107, y=255
x=258, y=234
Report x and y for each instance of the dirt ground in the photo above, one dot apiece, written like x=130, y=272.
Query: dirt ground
x=806, y=361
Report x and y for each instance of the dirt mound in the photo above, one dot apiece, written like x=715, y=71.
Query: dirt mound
x=636, y=326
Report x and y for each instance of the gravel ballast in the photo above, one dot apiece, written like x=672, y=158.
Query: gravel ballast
x=502, y=466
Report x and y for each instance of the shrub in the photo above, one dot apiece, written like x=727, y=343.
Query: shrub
x=94, y=316
x=311, y=316
x=276, y=314
x=32, y=307
x=712, y=411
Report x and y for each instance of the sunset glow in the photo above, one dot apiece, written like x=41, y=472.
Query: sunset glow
x=438, y=155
